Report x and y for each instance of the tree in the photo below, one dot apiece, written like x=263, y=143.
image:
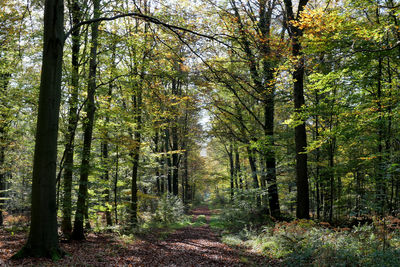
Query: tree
x=81, y=208
x=66, y=225
x=295, y=33
x=43, y=236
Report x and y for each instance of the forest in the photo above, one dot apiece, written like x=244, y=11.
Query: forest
x=199, y=133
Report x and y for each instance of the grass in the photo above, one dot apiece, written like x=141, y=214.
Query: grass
x=217, y=223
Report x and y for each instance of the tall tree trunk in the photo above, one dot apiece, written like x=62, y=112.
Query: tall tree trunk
x=43, y=236
x=269, y=106
x=300, y=138
x=232, y=170
x=253, y=168
x=169, y=163
x=163, y=168
x=238, y=178
x=2, y=174
x=331, y=178
x=66, y=225
x=175, y=137
x=78, y=231
x=380, y=173
x=317, y=171
x=186, y=174
x=175, y=159
x=157, y=168
x=264, y=85
x=116, y=186
x=388, y=139
x=4, y=81
x=106, y=177
x=303, y=206
x=104, y=146
x=136, y=154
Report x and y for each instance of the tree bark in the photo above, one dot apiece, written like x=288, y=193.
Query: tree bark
x=303, y=206
x=106, y=177
x=2, y=174
x=175, y=159
x=43, y=236
x=116, y=186
x=66, y=225
x=78, y=231
x=169, y=163
x=232, y=170
x=104, y=146
x=380, y=172
x=157, y=168
x=4, y=81
x=318, y=155
x=238, y=173
x=253, y=168
x=136, y=154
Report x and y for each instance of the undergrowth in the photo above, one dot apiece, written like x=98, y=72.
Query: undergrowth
x=308, y=243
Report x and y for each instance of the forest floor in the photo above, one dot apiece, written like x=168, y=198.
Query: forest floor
x=188, y=246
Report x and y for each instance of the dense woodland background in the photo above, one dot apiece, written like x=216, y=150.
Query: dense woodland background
x=270, y=110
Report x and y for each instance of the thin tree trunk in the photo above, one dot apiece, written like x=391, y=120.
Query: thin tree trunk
x=175, y=139
x=104, y=147
x=238, y=178
x=253, y=168
x=116, y=186
x=157, y=168
x=318, y=156
x=169, y=163
x=66, y=225
x=78, y=231
x=331, y=178
x=232, y=170
x=380, y=182
x=2, y=175
x=4, y=81
x=136, y=154
x=186, y=174
x=388, y=146
x=162, y=164
x=106, y=177
x=175, y=160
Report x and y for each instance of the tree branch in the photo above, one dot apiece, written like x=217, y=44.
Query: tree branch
x=141, y=16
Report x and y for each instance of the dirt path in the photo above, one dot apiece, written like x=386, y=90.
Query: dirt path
x=190, y=246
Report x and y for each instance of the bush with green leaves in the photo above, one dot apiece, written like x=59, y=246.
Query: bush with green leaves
x=244, y=212
x=170, y=209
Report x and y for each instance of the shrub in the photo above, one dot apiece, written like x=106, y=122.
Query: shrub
x=244, y=212
x=170, y=209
